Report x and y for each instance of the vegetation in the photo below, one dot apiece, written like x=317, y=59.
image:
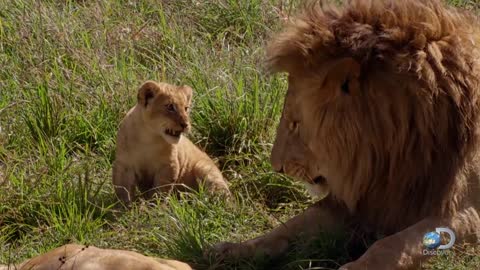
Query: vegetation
x=69, y=71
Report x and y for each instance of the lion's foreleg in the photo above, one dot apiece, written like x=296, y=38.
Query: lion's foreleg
x=405, y=249
x=323, y=216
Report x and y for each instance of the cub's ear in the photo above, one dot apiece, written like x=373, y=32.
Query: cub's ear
x=188, y=91
x=147, y=92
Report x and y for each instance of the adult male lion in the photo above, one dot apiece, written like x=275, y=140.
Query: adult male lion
x=382, y=109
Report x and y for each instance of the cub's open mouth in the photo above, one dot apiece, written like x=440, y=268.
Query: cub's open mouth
x=319, y=180
x=173, y=133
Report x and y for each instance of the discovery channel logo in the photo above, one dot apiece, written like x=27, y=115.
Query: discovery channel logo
x=432, y=241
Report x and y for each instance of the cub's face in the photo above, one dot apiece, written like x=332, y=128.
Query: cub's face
x=165, y=109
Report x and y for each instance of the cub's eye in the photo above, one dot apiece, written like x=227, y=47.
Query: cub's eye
x=170, y=107
x=346, y=87
x=293, y=125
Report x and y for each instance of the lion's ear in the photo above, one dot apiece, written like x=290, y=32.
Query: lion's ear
x=283, y=57
x=344, y=75
x=188, y=91
x=293, y=51
x=147, y=92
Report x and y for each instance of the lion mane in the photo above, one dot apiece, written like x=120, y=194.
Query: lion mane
x=382, y=113
x=414, y=140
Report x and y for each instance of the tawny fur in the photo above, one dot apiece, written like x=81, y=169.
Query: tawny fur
x=149, y=158
x=78, y=257
x=383, y=104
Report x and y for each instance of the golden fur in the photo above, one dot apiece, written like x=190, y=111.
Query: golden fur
x=382, y=112
x=152, y=151
x=80, y=257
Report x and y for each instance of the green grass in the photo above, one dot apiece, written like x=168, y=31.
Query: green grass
x=69, y=71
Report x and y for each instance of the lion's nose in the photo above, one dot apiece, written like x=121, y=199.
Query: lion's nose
x=277, y=164
x=278, y=169
x=184, y=125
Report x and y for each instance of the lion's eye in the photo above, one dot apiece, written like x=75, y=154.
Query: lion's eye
x=346, y=87
x=170, y=107
x=293, y=125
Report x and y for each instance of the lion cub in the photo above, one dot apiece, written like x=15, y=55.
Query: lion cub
x=151, y=151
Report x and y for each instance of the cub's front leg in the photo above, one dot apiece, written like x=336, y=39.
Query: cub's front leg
x=165, y=180
x=124, y=182
x=323, y=216
x=207, y=173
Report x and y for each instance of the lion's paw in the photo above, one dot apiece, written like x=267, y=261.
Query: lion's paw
x=225, y=250
x=368, y=265
x=348, y=266
x=358, y=266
